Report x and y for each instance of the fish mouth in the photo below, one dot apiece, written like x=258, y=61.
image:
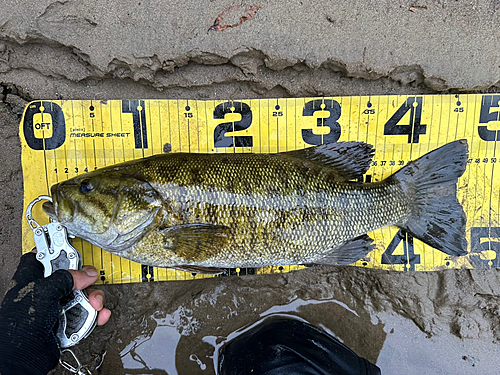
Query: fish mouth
x=50, y=210
x=60, y=209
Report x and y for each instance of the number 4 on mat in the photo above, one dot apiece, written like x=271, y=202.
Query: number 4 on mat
x=414, y=128
x=409, y=258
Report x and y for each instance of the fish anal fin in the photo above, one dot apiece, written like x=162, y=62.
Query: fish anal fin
x=350, y=252
x=196, y=242
x=198, y=269
x=351, y=160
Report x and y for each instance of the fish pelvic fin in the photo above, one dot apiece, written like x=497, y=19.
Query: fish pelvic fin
x=430, y=182
x=351, y=160
x=196, y=242
x=198, y=269
x=349, y=252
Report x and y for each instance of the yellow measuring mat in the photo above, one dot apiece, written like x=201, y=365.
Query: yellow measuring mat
x=62, y=139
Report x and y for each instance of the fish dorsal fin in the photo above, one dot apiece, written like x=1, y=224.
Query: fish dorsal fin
x=196, y=242
x=350, y=160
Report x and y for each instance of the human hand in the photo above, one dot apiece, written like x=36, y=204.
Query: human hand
x=30, y=311
x=84, y=278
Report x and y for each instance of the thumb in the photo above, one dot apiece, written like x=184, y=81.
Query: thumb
x=84, y=277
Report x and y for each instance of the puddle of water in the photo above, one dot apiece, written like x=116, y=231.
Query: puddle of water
x=155, y=352
x=296, y=304
x=158, y=350
x=198, y=361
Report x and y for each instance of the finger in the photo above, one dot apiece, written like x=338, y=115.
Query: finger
x=84, y=277
x=103, y=316
x=96, y=298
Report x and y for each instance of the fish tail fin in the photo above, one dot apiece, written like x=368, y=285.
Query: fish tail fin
x=437, y=218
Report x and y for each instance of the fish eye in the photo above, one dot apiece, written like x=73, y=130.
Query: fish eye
x=86, y=186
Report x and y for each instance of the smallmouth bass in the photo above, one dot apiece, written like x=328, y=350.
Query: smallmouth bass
x=203, y=212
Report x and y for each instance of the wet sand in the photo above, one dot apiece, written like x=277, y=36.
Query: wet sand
x=444, y=322
x=411, y=323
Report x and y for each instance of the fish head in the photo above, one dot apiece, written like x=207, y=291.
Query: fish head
x=111, y=210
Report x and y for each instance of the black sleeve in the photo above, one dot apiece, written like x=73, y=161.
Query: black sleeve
x=28, y=316
x=286, y=346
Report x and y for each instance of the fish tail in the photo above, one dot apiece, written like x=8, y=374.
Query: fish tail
x=436, y=218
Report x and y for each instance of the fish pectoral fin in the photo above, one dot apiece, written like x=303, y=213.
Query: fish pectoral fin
x=350, y=252
x=351, y=160
x=196, y=242
x=197, y=269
